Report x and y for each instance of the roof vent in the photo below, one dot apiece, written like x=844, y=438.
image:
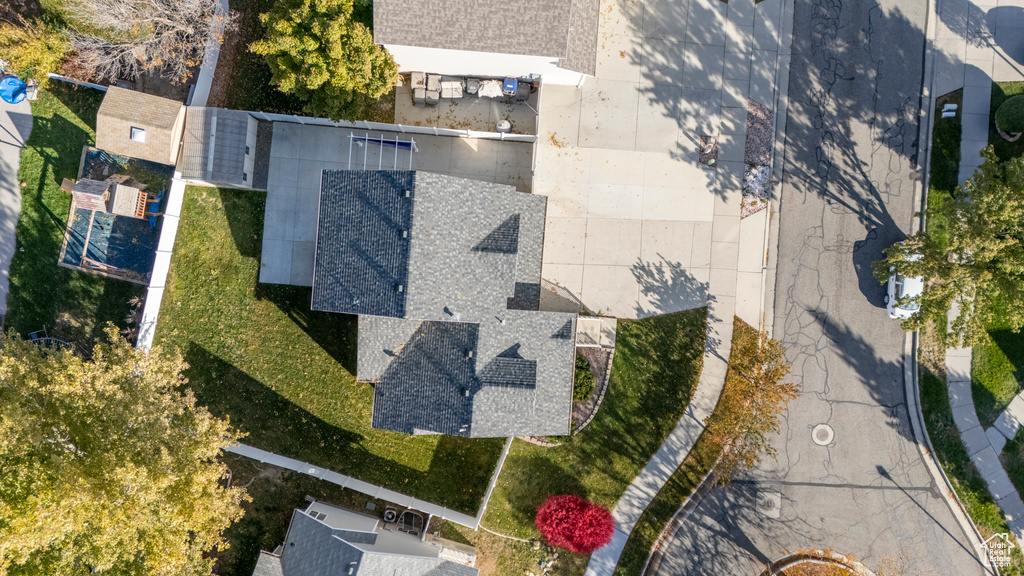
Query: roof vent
x=401, y=288
x=466, y=392
x=469, y=354
x=405, y=233
x=408, y=193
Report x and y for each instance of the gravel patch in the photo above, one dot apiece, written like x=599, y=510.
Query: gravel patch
x=760, y=133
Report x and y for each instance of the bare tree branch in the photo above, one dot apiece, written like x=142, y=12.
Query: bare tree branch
x=123, y=38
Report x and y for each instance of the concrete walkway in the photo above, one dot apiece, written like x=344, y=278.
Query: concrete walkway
x=15, y=126
x=983, y=446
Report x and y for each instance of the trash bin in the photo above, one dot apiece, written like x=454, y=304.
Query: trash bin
x=510, y=86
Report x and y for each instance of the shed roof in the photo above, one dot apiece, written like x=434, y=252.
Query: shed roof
x=564, y=29
x=124, y=111
x=139, y=108
x=213, y=145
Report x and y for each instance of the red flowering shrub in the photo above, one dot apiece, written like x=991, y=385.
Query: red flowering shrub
x=572, y=523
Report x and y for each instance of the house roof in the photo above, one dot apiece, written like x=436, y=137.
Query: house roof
x=453, y=249
x=564, y=29
x=313, y=548
x=509, y=375
x=213, y=145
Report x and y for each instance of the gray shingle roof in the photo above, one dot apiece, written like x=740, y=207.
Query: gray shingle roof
x=529, y=27
x=510, y=375
x=312, y=548
x=469, y=244
x=226, y=143
x=581, y=55
x=267, y=565
x=362, y=260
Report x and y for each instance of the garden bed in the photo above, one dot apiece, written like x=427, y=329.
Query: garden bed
x=283, y=373
x=1000, y=92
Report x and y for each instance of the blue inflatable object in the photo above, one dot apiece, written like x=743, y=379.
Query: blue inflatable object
x=12, y=90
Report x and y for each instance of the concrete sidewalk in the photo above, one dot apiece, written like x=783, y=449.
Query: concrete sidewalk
x=15, y=127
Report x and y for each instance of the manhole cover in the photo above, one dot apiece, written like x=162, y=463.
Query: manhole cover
x=769, y=503
x=823, y=434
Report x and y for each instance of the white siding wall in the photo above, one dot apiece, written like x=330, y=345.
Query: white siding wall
x=461, y=62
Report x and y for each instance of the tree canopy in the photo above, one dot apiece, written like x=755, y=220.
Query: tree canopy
x=106, y=465
x=572, y=523
x=318, y=51
x=976, y=259
x=754, y=398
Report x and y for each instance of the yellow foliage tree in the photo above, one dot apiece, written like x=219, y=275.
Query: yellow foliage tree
x=32, y=51
x=106, y=465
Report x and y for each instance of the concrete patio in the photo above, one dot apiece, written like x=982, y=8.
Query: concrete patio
x=299, y=153
x=636, y=225
x=467, y=113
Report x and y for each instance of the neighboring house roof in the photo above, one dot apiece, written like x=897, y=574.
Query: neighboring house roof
x=453, y=249
x=509, y=375
x=213, y=146
x=564, y=29
x=160, y=119
x=313, y=548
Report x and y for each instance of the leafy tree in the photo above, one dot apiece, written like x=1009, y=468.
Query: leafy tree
x=319, y=52
x=32, y=50
x=749, y=412
x=572, y=523
x=978, y=262
x=105, y=466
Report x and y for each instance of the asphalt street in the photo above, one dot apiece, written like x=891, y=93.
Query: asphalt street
x=847, y=193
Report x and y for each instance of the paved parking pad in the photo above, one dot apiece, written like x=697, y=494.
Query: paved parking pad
x=299, y=153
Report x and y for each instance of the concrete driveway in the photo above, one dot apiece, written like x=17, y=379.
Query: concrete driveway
x=15, y=127
x=847, y=194
x=632, y=215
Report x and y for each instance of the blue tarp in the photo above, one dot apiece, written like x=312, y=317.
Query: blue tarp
x=12, y=90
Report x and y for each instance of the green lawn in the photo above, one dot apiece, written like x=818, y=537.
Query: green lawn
x=72, y=305
x=1000, y=92
x=655, y=370
x=283, y=373
x=997, y=371
x=944, y=169
x=680, y=485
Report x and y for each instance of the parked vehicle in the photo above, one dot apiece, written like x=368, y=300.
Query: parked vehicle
x=902, y=298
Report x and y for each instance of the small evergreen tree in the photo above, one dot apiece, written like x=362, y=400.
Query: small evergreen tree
x=320, y=53
x=572, y=523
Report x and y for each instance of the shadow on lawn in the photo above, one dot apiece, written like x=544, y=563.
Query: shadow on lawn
x=275, y=423
x=335, y=333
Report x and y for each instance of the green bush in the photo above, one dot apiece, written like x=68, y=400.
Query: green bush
x=1010, y=115
x=583, y=386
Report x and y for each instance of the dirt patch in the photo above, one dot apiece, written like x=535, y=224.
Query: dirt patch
x=11, y=10
x=230, y=49
x=760, y=133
